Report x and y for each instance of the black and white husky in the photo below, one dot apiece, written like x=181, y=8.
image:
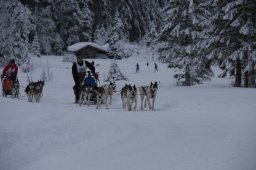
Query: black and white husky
x=30, y=91
x=38, y=90
x=109, y=90
x=148, y=92
x=34, y=90
x=131, y=99
x=101, y=96
x=85, y=95
x=15, y=89
x=124, y=95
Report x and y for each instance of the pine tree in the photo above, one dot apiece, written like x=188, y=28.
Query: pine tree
x=114, y=73
x=230, y=37
x=5, y=34
x=20, y=18
x=50, y=41
x=36, y=46
x=178, y=38
x=101, y=35
x=117, y=30
x=16, y=29
x=73, y=20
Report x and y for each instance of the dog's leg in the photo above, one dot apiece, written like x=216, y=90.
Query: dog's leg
x=88, y=100
x=135, y=102
x=29, y=97
x=13, y=93
x=36, y=98
x=128, y=101
x=81, y=98
x=32, y=97
x=148, y=99
x=123, y=102
x=98, y=101
x=105, y=97
x=40, y=95
x=153, y=103
x=85, y=99
x=141, y=99
x=17, y=95
x=110, y=99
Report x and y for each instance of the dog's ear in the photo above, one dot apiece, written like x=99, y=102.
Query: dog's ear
x=130, y=87
x=134, y=87
x=155, y=85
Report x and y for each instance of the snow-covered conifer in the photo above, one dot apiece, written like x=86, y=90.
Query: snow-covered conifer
x=115, y=73
x=36, y=46
x=180, y=35
x=230, y=37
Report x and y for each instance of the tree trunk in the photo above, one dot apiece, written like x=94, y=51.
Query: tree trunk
x=238, y=78
x=187, y=76
x=252, y=77
x=246, y=79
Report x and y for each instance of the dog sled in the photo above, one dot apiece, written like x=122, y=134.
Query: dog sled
x=9, y=86
x=87, y=90
x=96, y=94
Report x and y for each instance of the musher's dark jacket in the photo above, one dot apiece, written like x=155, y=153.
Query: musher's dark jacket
x=76, y=77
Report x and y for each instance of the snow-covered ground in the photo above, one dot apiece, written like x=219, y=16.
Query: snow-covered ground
x=204, y=127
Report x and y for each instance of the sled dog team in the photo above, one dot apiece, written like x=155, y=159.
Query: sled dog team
x=103, y=94
x=147, y=93
x=128, y=93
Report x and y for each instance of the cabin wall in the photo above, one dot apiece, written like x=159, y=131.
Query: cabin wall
x=88, y=52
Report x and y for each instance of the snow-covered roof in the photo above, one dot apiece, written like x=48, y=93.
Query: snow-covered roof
x=80, y=45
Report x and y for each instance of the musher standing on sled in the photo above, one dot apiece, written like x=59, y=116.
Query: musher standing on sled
x=79, y=69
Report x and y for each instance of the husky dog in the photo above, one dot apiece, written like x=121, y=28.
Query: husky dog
x=30, y=91
x=131, y=97
x=150, y=93
x=15, y=89
x=124, y=95
x=109, y=89
x=38, y=90
x=85, y=95
x=101, y=96
x=34, y=90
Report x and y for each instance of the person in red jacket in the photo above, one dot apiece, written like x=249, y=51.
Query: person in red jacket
x=11, y=70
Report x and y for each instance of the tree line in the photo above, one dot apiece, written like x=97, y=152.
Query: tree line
x=34, y=27
x=203, y=33
x=190, y=35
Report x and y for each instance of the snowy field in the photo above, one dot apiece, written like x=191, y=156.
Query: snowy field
x=204, y=127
